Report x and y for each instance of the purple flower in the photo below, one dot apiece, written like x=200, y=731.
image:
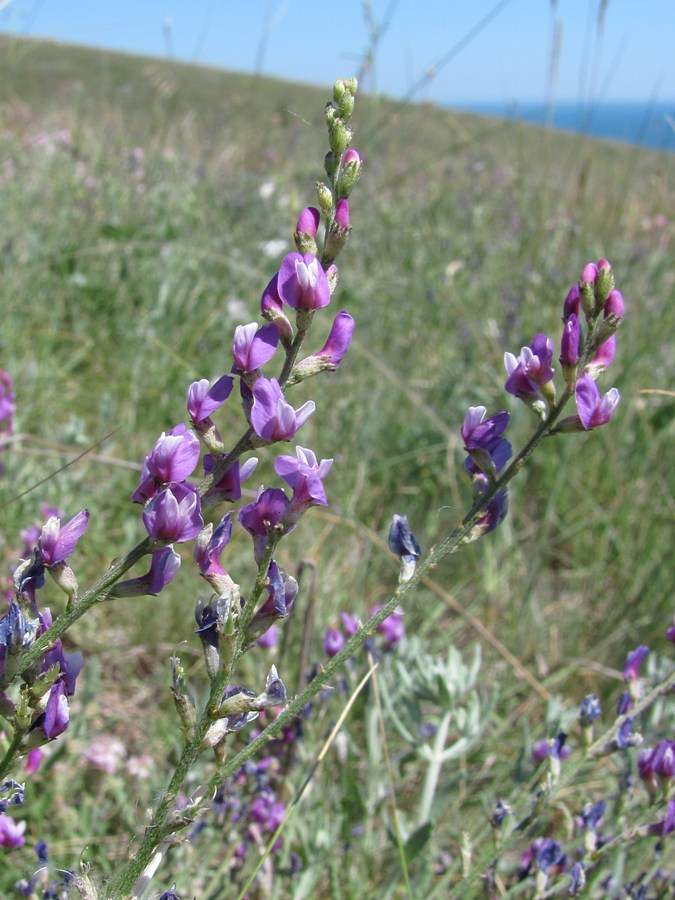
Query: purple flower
x=349, y=623
x=592, y=814
x=667, y=824
x=555, y=749
x=392, y=628
x=11, y=833
x=592, y=409
x=252, y=347
x=261, y=516
x=614, y=305
x=302, y=283
x=172, y=459
x=569, y=344
x=531, y=370
x=308, y=222
x=272, y=310
x=268, y=639
x=333, y=642
x=174, y=514
x=342, y=214
x=282, y=590
x=625, y=737
x=163, y=566
x=17, y=633
x=590, y=709
x=305, y=475
x=572, y=303
x=272, y=418
x=267, y=812
x=603, y=357
x=229, y=486
x=57, y=543
x=670, y=634
x=202, y=400
x=625, y=703
x=488, y=450
x=493, y=516
x=335, y=348
x=401, y=539
x=550, y=856
x=57, y=714
x=663, y=759
x=210, y=544
x=633, y=662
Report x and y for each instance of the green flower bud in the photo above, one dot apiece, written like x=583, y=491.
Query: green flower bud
x=325, y=197
x=330, y=164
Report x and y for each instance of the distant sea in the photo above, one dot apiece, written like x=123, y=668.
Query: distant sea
x=644, y=124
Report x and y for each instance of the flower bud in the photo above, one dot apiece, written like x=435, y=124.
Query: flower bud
x=306, y=230
x=338, y=233
x=343, y=98
x=330, y=164
x=339, y=136
x=604, y=282
x=325, y=197
x=569, y=348
x=351, y=172
x=572, y=302
x=614, y=306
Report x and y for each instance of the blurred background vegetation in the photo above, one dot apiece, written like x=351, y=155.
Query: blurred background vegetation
x=144, y=207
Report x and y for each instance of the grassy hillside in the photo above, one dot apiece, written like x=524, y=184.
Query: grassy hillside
x=144, y=207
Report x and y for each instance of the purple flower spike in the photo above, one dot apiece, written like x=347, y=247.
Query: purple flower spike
x=203, y=401
x=174, y=514
x=163, y=567
x=253, y=347
x=633, y=662
x=305, y=475
x=259, y=517
x=338, y=341
x=172, y=459
x=531, y=370
x=272, y=417
x=593, y=410
x=302, y=283
x=56, y=543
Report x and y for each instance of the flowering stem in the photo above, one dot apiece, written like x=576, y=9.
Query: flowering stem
x=96, y=593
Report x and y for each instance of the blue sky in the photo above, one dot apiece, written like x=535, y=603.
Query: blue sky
x=482, y=50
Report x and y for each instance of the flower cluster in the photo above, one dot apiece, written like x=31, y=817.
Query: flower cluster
x=530, y=375
x=41, y=713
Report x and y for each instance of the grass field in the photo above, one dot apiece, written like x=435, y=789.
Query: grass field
x=144, y=207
